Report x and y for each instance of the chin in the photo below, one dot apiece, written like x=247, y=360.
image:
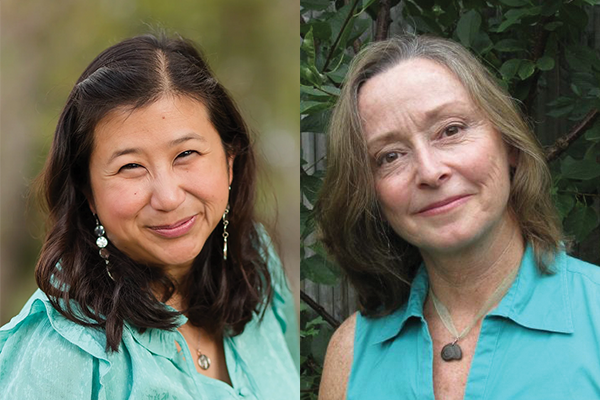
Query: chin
x=447, y=243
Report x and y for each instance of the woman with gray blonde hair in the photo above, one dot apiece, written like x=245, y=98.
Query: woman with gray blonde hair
x=436, y=204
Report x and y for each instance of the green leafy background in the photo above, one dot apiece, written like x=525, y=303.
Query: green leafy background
x=543, y=52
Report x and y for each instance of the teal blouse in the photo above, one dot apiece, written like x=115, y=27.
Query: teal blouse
x=45, y=356
x=542, y=342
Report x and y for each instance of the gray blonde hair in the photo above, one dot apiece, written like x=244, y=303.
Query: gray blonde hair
x=379, y=263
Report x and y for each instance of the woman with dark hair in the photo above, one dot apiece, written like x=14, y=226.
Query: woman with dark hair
x=436, y=204
x=155, y=280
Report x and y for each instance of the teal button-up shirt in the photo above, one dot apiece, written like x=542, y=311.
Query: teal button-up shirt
x=45, y=356
x=542, y=342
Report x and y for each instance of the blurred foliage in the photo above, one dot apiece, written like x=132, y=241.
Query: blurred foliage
x=520, y=41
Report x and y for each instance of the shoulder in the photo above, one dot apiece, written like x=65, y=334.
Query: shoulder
x=39, y=343
x=283, y=303
x=338, y=361
x=39, y=318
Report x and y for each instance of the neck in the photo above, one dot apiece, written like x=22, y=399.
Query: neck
x=465, y=280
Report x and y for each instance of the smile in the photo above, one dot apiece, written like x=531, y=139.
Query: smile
x=175, y=230
x=443, y=206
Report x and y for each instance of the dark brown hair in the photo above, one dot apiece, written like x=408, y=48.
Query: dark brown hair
x=380, y=264
x=221, y=295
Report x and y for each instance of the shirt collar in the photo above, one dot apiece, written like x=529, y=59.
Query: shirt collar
x=390, y=326
x=534, y=300
x=539, y=301
x=159, y=341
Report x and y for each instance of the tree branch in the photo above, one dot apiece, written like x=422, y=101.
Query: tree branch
x=339, y=36
x=541, y=39
x=319, y=310
x=382, y=24
x=563, y=143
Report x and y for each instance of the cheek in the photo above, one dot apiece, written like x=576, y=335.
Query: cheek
x=393, y=195
x=118, y=203
x=209, y=184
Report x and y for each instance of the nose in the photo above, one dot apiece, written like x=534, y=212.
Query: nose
x=167, y=193
x=431, y=170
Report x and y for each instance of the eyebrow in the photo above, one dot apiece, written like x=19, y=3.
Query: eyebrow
x=172, y=143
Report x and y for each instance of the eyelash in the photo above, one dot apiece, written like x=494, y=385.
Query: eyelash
x=183, y=154
x=186, y=153
x=130, y=166
x=381, y=160
x=458, y=128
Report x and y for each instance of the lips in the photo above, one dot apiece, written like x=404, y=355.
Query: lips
x=176, y=229
x=441, y=206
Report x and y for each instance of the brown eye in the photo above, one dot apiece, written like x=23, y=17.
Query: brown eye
x=391, y=157
x=388, y=158
x=452, y=130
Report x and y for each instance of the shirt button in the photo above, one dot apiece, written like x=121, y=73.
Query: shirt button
x=244, y=392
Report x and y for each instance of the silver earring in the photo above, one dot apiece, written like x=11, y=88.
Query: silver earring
x=225, y=233
x=102, y=242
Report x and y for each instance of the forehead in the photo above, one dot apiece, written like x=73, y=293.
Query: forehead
x=417, y=87
x=168, y=114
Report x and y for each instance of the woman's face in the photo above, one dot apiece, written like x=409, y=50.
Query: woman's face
x=441, y=169
x=159, y=177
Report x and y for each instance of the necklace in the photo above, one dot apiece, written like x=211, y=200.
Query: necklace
x=452, y=350
x=203, y=359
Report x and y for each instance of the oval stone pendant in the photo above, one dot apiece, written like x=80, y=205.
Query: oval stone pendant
x=203, y=361
x=451, y=352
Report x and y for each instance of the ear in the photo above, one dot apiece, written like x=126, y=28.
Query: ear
x=230, y=160
x=90, y=200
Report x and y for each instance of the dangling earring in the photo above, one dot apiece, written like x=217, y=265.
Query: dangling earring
x=102, y=242
x=225, y=233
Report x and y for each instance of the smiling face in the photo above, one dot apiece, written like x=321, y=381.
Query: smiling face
x=441, y=169
x=159, y=180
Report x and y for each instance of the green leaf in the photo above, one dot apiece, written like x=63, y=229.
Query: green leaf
x=581, y=221
x=545, y=63
x=310, y=185
x=550, y=7
x=574, y=15
x=482, y=43
x=509, y=45
x=580, y=169
x=312, y=106
x=312, y=91
x=593, y=134
x=319, y=344
x=337, y=21
x=321, y=30
x=526, y=69
x=308, y=45
x=564, y=204
x=515, y=3
x=317, y=269
x=551, y=26
x=309, y=74
x=316, y=123
x=512, y=17
x=317, y=5
x=509, y=68
x=468, y=27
